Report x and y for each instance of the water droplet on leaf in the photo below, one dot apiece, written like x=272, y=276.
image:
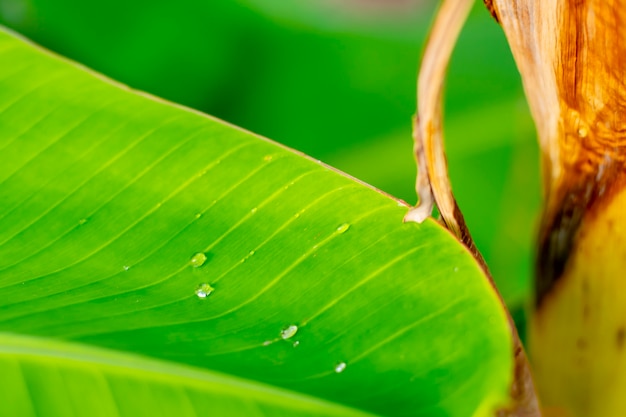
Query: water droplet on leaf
x=82, y=221
x=340, y=367
x=288, y=332
x=204, y=290
x=198, y=260
x=343, y=228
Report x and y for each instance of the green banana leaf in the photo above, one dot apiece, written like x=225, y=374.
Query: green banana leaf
x=156, y=261
x=364, y=92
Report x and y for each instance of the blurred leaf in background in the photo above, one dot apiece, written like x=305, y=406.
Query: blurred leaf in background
x=334, y=79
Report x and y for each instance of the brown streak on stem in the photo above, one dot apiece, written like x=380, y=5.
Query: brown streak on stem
x=492, y=9
x=572, y=58
x=591, y=137
x=620, y=337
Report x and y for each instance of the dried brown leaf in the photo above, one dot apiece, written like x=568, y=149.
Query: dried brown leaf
x=433, y=185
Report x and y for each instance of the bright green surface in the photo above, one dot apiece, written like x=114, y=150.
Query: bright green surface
x=117, y=208
x=488, y=199
x=333, y=79
x=96, y=382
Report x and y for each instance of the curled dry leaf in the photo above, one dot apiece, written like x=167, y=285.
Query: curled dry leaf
x=433, y=185
x=572, y=58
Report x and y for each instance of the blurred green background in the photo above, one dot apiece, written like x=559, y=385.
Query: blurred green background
x=334, y=79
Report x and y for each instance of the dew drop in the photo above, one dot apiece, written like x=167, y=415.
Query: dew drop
x=582, y=132
x=198, y=215
x=268, y=158
x=198, y=260
x=343, y=228
x=296, y=343
x=251, y=253
x=267, y=343
x=82, y=221
x=204, y=290
x=253, y=210
x=126, y=267
x=340, y=367
x=289, y=332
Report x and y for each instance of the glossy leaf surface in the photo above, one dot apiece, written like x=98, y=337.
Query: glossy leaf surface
x=147, y=229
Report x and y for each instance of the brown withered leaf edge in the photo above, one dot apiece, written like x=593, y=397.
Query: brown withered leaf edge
x=433, y=184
